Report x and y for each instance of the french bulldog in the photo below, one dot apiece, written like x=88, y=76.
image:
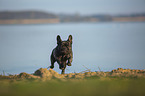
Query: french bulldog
x=62, y=53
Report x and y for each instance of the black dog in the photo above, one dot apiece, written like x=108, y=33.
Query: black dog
x=62, y=53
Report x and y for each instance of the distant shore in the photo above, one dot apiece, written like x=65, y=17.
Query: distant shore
x=131, y=19
x=40, y=17
x=45, y=21
x=29, y=21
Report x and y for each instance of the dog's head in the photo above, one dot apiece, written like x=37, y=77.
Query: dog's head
x=64, y=47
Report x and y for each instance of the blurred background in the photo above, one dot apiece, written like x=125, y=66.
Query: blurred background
x=106, y=34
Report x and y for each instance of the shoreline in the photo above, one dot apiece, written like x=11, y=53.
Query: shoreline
x=57, y=20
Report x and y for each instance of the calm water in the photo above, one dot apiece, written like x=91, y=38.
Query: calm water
x=25, y=48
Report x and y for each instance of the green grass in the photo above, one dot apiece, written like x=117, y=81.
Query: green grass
x=103, y=86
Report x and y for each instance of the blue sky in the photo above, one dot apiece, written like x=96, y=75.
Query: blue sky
x=73, y=6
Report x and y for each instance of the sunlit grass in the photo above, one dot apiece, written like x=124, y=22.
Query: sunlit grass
x=74, y=87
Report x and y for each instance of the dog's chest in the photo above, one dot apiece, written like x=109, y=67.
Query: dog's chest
x=59, y=55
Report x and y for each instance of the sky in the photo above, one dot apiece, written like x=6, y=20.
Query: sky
x=76, y=6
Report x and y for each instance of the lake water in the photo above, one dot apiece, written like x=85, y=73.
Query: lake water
x=26, y=48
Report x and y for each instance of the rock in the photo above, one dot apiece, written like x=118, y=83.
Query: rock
x=45, y=73
x=24, y=75
x=93, y=73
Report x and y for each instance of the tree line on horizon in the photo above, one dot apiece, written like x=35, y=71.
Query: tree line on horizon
x=9, y=15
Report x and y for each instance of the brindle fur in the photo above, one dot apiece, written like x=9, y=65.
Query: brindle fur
x=62, y=54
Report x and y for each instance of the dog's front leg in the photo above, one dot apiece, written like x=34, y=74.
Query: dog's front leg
x=52, y=61
x=69, y=61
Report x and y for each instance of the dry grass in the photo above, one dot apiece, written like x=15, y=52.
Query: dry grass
x=51, y=74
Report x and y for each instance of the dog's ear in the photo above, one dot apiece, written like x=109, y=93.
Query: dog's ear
x=58, y=39
x=70, y=39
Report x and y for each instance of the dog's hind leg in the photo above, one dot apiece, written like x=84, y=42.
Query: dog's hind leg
x=63, y=71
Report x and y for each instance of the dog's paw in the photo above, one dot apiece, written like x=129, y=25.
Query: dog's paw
x=69, y=64
x=51, y=67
